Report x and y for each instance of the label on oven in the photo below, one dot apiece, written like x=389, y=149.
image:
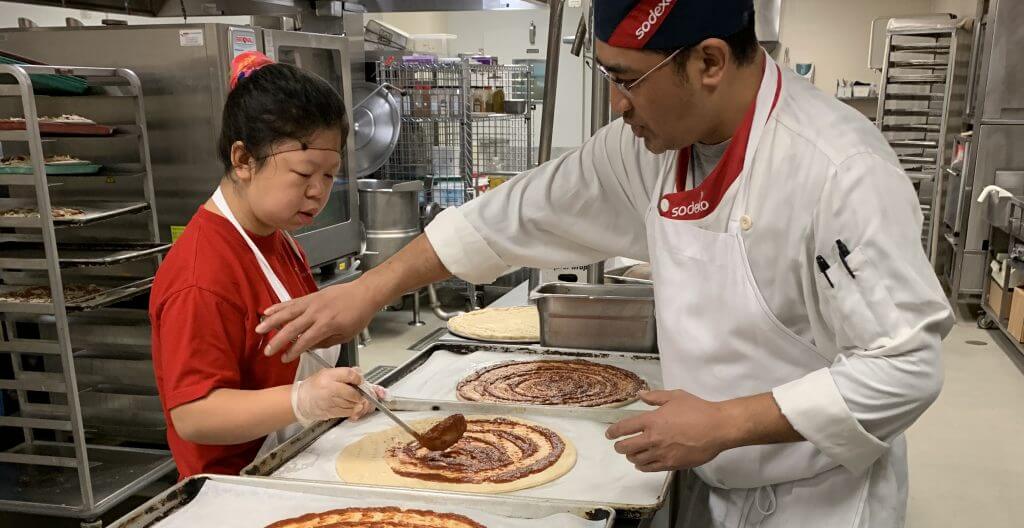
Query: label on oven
x=190, y=37
x=242, y=40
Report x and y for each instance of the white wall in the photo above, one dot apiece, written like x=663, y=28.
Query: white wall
x=834, y=35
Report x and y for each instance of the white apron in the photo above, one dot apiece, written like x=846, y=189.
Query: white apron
x=718, y=340
x=307, y=366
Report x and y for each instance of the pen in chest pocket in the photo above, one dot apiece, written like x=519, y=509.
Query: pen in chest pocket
x=843, y=253
x=824, y=267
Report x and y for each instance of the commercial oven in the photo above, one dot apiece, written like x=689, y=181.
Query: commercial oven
x=185, y=71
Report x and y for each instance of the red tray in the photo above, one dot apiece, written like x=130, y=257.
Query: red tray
x=49, y=128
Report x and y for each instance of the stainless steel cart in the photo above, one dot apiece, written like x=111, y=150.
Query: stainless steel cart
x=58, y=468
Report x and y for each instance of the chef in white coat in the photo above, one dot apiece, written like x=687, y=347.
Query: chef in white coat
x=799, y=320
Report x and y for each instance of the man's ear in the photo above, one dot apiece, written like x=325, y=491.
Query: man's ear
x=714, y=55
x=243, y=165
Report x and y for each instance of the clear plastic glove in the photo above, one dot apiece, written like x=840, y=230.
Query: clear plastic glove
x=330, y=394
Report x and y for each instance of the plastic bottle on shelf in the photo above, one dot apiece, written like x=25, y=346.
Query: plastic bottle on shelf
x=498, y=100
x=488, y=103
x=478, y=99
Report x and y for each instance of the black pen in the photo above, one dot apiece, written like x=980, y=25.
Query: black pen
x=843, y=253
x=823, y=266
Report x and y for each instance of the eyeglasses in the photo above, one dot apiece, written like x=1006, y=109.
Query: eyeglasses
x=626, y=87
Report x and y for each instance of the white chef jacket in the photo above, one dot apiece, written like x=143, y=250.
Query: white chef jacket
x=822, y=172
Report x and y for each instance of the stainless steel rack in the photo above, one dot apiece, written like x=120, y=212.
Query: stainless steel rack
x=66, y=463
x=1006, y=235
x=920, y=106
x=453, y=138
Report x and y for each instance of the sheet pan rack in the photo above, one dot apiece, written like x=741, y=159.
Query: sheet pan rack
x=60, y=467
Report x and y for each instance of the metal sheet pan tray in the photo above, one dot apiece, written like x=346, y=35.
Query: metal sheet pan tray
x=91, y=212
x=434, y=373
x=615, y=317
x=109, y=295
x=230, y=502
x=600, y=476
x=15, y=254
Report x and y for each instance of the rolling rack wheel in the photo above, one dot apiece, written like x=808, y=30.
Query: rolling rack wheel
x=985, y=322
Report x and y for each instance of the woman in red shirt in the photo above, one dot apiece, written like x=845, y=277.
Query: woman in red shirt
x=282, y=139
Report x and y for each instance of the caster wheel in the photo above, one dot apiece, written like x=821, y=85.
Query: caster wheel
x=986, y=323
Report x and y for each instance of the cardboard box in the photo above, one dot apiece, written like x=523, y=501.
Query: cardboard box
x=995, y=299
x=1016, y=323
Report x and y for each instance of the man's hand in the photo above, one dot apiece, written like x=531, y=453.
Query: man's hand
x=328, y=317
x=684, y=432
x=336, y=314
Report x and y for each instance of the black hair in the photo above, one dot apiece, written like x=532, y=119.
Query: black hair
x=743, y=44
x=275, y=103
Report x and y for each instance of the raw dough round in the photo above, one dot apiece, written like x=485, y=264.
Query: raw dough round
x=577, y=383
x=516, y=324
x=366, y=460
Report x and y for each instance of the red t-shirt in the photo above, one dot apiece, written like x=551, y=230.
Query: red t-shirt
x=206, y=302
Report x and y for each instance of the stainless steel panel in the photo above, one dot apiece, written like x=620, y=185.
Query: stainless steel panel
x=768, y=17
x=335, y=233
x=185, y=87
x=1000, y=94
x=184, y=92
x=996, y=148
x=164, y=505
x=597, y=317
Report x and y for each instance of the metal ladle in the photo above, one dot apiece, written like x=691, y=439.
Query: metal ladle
x=441, y=436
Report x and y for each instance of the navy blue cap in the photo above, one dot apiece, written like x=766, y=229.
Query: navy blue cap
x=668, y=24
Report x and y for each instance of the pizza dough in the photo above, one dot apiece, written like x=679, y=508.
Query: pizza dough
x=31, y=212
x=576, y=382
x=517, y=323
x=496, y=455
x=41, y=294
x=385, y=517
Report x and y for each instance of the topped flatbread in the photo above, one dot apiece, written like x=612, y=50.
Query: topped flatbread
x=574, y=383
x=520, y=324
x=385, y=517
x=41, y=294
x=496, y=455
x=32, y=212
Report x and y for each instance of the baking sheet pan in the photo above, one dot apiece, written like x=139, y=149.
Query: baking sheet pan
x=61, y=128
x=435, y=373
x=230, y=502
x=110, y=295
x=600, y=477
x=81, y=255
x=92, y=212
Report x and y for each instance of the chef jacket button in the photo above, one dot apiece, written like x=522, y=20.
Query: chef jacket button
x=746, y=223
x=664, y=205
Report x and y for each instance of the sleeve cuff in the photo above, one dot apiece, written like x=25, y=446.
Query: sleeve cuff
x=462, y=250
x=816, y=409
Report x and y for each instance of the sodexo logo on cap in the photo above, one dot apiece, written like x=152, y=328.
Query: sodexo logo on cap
x=668, y=24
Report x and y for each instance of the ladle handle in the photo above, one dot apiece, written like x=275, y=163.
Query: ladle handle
x=367, y=391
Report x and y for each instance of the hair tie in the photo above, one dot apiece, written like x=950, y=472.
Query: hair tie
x=245, y=64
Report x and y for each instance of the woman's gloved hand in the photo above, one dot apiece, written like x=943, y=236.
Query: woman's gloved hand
x=330, y=394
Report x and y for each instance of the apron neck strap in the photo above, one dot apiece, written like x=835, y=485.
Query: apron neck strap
x=268, y=272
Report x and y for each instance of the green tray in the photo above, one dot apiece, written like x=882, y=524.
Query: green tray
x=87, y=168
x=53, y=84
